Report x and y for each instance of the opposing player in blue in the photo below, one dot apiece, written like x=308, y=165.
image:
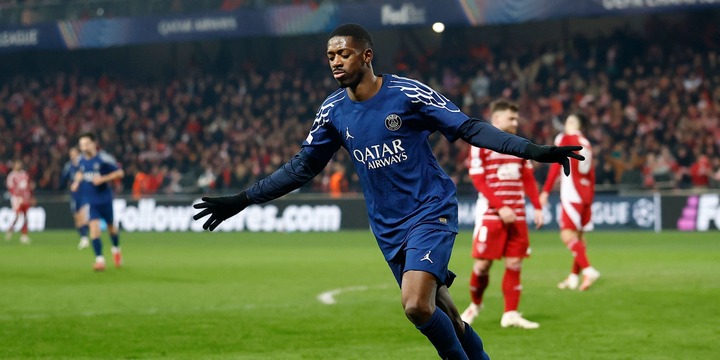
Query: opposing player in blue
x=97, y=169
x=384, y=121
x=78, y=200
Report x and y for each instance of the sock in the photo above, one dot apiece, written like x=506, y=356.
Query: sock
x=24, y=229
x=511, y=289
x=97, y=246
x=575, y=268
x=115, y=239
x=441, y=333
x=478, y=284
x=83, y=230
x=473, y=345
x=115, y=250
x=577, y=247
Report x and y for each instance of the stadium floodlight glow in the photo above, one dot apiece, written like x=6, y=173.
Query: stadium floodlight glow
x=438, y=27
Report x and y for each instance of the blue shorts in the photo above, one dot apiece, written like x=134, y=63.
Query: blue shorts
x=76, y=205
x=426, y=249
x=102, y=211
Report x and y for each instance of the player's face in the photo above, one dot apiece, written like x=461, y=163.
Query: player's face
x=572, y=123
x=506, y=120
x=74, y=153
x=87, y=146
x=348, y=60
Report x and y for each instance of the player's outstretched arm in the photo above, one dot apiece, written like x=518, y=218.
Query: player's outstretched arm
x=482, y=134
x=294, y=174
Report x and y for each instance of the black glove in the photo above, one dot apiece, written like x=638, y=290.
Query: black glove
x=220, y=209
x=553, y=154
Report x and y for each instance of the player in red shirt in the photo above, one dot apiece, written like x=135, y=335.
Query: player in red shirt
x=576, y=198
x=500, y=227
x=21, y=198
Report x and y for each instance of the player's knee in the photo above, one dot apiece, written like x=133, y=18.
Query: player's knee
x=418, y=312
x=513, y=264
x=482, y=267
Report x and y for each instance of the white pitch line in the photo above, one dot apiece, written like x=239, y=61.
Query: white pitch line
x=328, y=297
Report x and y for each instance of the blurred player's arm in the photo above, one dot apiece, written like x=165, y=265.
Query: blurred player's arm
x=101, y=179
x=76, y=181
x=552, y=176
x=531, y=191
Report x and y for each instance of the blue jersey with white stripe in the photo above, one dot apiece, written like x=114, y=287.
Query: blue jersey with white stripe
x=100, y=164
x=387, y=138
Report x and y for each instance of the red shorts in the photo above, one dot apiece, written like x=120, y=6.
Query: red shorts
x=21, y=207
x=493, y=239
x=576, y=216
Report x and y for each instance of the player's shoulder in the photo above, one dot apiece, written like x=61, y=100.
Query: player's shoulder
x=333, y=99
x=106, y=157
x=411, y=88
x=418, y=92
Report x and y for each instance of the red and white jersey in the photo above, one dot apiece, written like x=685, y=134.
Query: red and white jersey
x=18, y=184
x=579, y=187
x=502, y=180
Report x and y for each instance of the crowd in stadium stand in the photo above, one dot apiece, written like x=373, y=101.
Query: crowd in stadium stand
x=654, y=107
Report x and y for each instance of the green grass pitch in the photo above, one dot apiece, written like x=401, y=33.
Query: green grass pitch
x=254, y=296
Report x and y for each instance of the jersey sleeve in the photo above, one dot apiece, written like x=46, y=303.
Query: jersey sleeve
x=108, y=163
x=477, y=175
x=552, y=177
x=318, y=148
x=442, y=114
x=531, y=189
x=323, y=140
x=555, y=168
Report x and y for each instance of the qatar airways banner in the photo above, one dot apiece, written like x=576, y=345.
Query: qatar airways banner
x=284, y=20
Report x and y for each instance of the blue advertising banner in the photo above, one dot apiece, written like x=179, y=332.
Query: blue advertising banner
x=609, y=212
x=284, y=20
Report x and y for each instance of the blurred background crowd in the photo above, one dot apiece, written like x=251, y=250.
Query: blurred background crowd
x=652, y=95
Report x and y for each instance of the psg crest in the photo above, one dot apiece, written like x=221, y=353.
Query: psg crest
x=393, y=122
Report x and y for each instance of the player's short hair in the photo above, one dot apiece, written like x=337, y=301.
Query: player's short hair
x=88, y=135
x=504, y=104
x=582, y=119
x=355, y=31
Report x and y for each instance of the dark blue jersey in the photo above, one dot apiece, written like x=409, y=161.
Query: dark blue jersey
x=387, y=138
x=101, y=164
x=68, y=176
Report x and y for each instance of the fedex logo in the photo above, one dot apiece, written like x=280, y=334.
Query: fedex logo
x=381, y=155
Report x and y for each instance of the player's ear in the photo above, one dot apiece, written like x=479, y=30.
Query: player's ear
x=367, y=56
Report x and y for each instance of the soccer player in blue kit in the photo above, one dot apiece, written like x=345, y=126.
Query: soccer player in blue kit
x=97, y=169
x=77, y=198
x=384, y=121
